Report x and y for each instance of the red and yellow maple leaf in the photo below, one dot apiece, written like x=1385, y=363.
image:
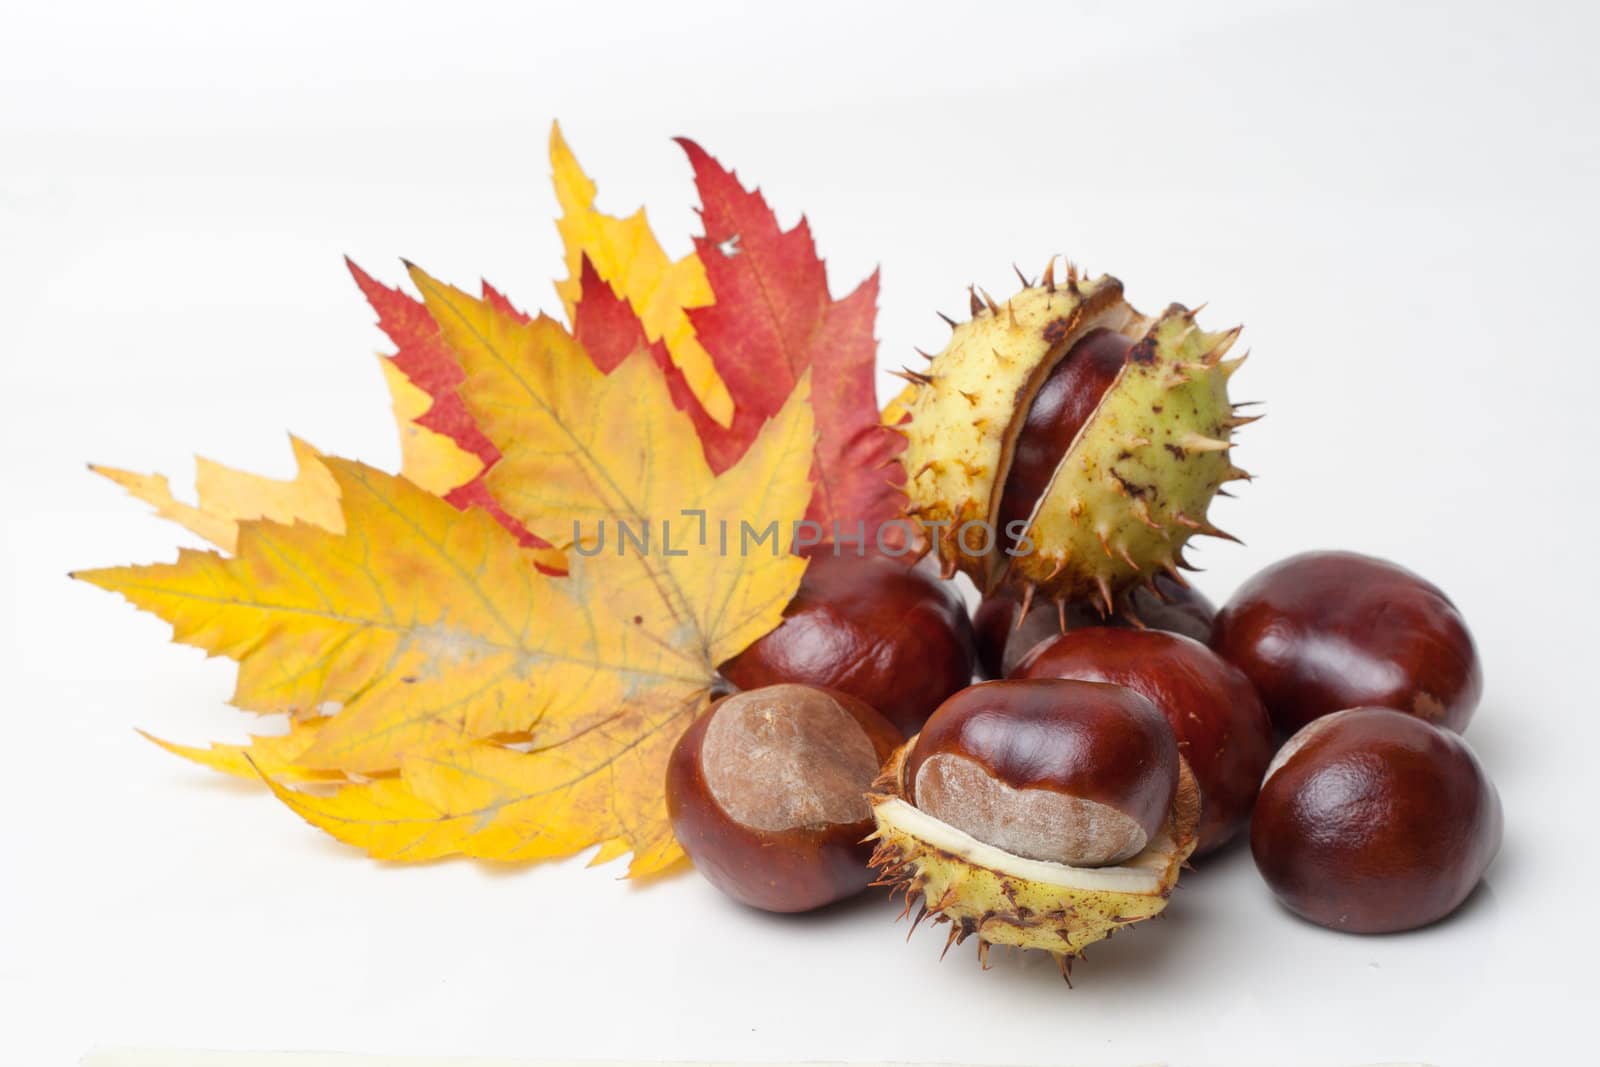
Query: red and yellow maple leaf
x=605, y=325
x=441, y=447
x=427, y=457
x=627, y=255
x=773, y=319
x=456, y=648
x=527, y=715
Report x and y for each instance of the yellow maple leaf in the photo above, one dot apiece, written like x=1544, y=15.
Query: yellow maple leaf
x=434, y=461
x=418, y=614
x=428, y=458
x=627, y=255
x=611, y=449
x=499, y=803
x=440, y=640
x=225, y=497
x=276, y=755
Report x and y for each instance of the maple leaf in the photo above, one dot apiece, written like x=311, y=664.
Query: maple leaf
x=424, y=360
x=427, y=457
x=442, y=643
x=441, y=447
x=773, y=319
x=274, y=755
x=492, y=802
x=224, y=497
x=626, y=253
x=605, y=325
x=458, y=654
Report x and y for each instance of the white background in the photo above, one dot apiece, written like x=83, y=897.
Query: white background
x=1398, y=202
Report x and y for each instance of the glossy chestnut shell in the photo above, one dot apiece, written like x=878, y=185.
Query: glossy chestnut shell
x=1221, y=727
x=767, y=794
x=1002, y=641
x=1062, y=405
x=1063, y=771
x=1374, y=821
x=893, y=636
x=1329, y=630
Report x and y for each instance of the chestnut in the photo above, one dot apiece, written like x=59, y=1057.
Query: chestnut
x=1221, y=728
x=1003, y=640
x=1374, y=821
x=767, y=794
x=1323, y=631
x=1077, y=773
x=894, y=636
x=1062, y=405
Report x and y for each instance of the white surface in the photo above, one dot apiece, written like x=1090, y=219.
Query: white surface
x=1400, y=205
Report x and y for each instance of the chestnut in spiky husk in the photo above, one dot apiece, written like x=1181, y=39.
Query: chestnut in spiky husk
x=1006, y=629
x=1323, y=631
x=1040, y=813
x=1098, y=433
x=891, y=635
x=1222, y=729
x=1373, y=821
x=767, y=794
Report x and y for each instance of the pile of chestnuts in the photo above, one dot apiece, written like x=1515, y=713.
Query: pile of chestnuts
x=1038, y=773
x=1320, y=709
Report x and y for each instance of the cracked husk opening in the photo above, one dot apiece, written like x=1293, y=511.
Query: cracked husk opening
x=1002, y=899
x=1135, y=484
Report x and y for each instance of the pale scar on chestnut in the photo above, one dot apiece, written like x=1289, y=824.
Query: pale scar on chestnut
x=774, y=767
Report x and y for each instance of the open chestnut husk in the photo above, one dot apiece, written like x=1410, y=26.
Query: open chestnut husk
x=1004, y=634
x=766, y=791
x=1040, y=813
x=891, y=635
x=1066, y=441
x=1323, y=631
x=1221, y=727
x=1374, y=821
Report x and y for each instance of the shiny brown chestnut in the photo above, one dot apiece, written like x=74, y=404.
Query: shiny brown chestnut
x=1323, y=631
x=767, y=794
x=1374, y=821
x=1003, y=641
x=1221, y=727
x=894, y=636
x=1062, y=405
x=1068, y=772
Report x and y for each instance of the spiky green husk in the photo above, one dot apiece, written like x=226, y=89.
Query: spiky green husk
x=964, y=417
x=1133, y=487
x=1136, y=484
x=1001, y=899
